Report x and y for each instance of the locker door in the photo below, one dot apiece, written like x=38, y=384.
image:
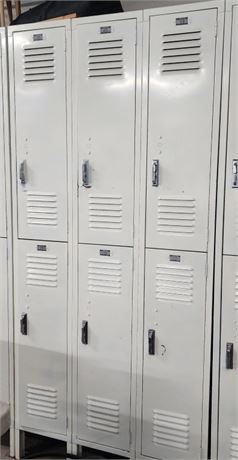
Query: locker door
x=4, y=357
x=41, y=326
x=3, y=223
x=105, y=75
x=41, y=144
x=173, y=354
x=105, y=321
x=231, y=203
x=228, y=413
x=181, y=85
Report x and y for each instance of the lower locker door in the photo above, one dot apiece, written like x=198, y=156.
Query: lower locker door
x=41, y=327
x=173, y=354
x=105, y=321
x=4, y=356
x=228, y=411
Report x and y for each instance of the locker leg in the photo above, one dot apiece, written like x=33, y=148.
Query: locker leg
x=74, y=450
x=12, y=442
x=19, y=444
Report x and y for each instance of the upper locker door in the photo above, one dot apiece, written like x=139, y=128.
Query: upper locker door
x=41, y=143
x=231, y=201
x=180, y=118
x=105, y=57
x=3, y=223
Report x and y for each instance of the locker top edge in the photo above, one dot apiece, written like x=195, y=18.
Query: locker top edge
x=138, y=15
x=183, y=7
x=230, y=4
x=66, y=23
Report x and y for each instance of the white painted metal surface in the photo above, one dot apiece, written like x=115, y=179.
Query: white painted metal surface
x=225, y=402
x=183, y=101
x=3, y=141
x=180, y=122
x=40, y=140
x=231, y=199
x=228, y=414
x=104, y=74
x=4, y=326
x=175, y=308
x=104, y=363
x=41, y=294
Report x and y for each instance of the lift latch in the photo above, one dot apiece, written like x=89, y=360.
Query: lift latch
x=84, y=330
x=155, y=173
x=23, y=324
x=86, y=174
x=234, y=173
x=151, y=341
x=229, y=355
x=22, y=173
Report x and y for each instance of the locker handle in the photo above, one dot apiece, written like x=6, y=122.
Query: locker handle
x=151, y=341
x=86, y=174
x=23, y=172
x=234, y=173
x=23, y=324
x=155, y=173
x=84, y=330
x=229, y=355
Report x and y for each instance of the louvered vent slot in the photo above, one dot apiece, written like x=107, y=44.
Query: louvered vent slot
x=174, y=284
x=236, y=291
x=234, y=444
x=42, y=270
x=104, y=276
x=42, y=401
x=176, y=215
x=42, y=209
x=39, y=63
x=171, y=429
x=103, y=414
x=181, y=52
x=105, y=212
x=105, y=58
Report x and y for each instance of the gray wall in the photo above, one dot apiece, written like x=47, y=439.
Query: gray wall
x=129, y=5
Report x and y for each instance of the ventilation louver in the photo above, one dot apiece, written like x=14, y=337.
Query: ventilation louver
x=105, y=58
x=39, y=63
x=181, y=52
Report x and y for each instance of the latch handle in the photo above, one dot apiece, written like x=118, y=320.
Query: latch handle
x=23, y=172
x=229, y=355
x=84, y=331
x=151, y=341
x=86, y=174
x=155, y=173
x=23, y=324
x=234, y=173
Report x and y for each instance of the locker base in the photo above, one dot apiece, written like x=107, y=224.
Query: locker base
x=20, y=440
x=108, y=449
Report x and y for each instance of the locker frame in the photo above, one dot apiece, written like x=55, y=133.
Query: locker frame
x=66, y=24
x=207, y=5
x=8, y=237
x=77, y=442
x=220, y=224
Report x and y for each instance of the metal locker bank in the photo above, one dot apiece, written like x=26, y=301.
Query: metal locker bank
x=182, y=63
x=106, y=77
x=225, y=402
x=39, y=74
